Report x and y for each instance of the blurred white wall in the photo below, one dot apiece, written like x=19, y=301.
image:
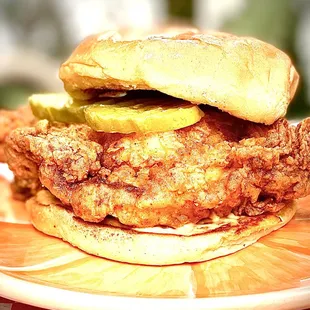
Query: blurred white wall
x=303, y=41
x=211, y=14
x=88, y=17
x=84, y=17
x=78, y=18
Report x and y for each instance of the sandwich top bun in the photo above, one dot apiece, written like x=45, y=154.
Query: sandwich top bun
x=243, y=76
x=115, y=241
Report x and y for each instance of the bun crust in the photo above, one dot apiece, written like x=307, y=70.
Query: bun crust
x=117, y=243
x=243, y=76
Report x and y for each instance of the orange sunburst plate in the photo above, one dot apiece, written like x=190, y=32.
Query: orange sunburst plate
x=278, y=262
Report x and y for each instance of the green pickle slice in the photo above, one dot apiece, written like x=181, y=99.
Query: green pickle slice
x=142, y=115
x=58, y=107
x=122, y=115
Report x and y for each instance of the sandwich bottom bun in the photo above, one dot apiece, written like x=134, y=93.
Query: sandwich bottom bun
x=155, y=246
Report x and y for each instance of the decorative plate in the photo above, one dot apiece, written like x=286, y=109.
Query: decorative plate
x=46, y=272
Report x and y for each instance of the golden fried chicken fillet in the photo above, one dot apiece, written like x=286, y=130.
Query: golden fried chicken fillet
x=171, y=178
x=11, y=119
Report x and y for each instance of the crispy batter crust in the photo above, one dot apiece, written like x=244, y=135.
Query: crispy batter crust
x=9, y=120
x=243, y=76
x=171, y=178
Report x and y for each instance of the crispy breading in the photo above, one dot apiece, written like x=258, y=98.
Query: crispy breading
x=169, y=178
x=11, y=119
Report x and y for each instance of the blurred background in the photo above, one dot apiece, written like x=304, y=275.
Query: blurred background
x=36, y=36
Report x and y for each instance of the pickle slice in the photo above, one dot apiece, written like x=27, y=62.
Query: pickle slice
x=123, y=115
x=58, y=107
x=142, y=115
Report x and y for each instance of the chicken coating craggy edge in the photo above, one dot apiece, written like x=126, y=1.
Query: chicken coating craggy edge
x=10, y=120
x=171, y=178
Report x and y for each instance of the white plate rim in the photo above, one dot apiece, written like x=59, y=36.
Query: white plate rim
x=50, y=297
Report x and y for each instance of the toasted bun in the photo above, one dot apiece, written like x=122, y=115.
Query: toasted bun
x=131, y=246
x=243, y=76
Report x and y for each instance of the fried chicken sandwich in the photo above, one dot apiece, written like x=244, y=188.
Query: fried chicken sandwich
x=165, y=150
